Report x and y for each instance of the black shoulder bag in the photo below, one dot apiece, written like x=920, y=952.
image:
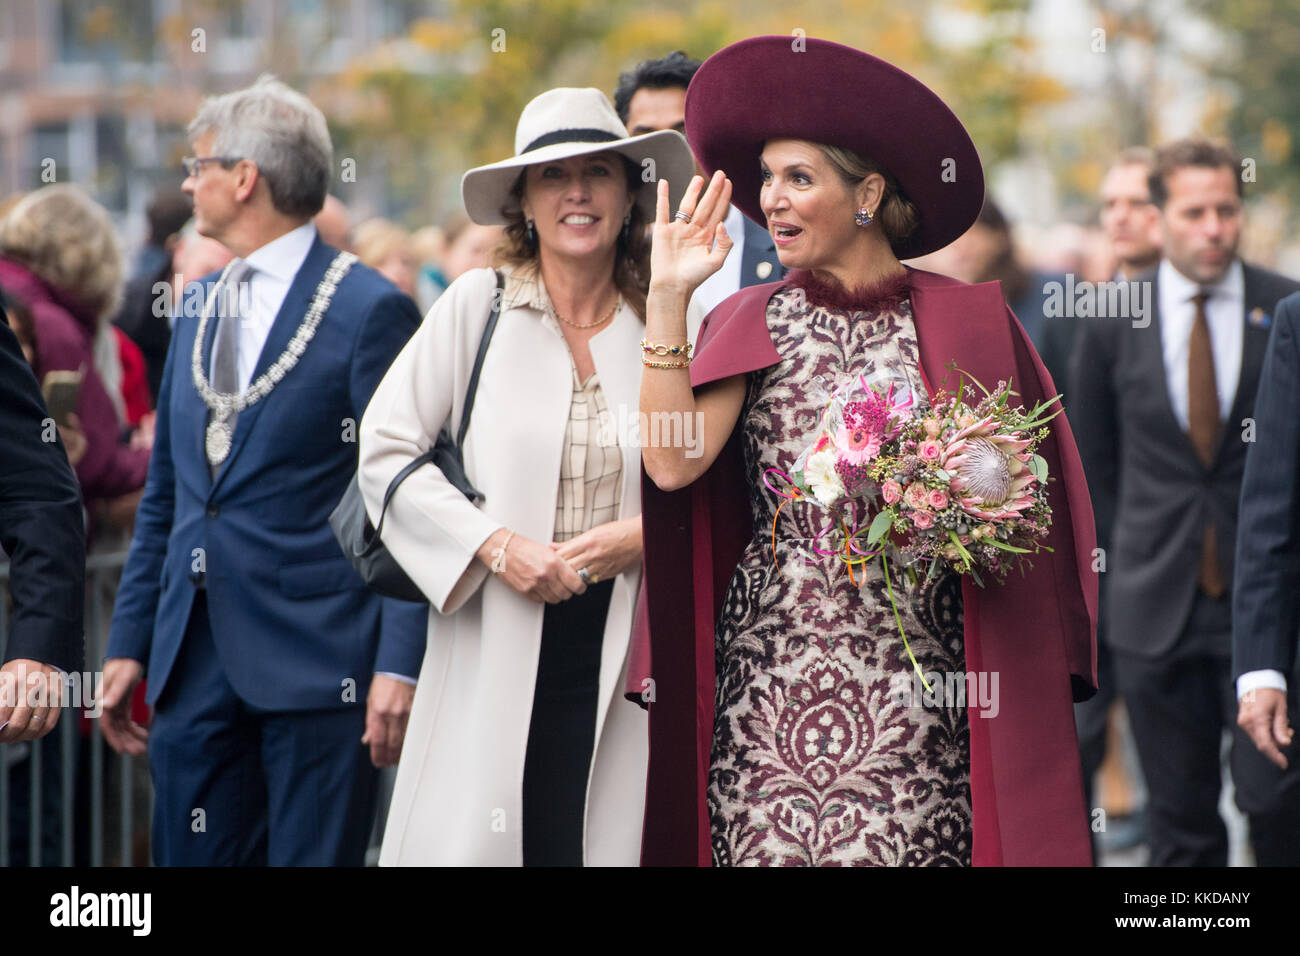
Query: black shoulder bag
x=360, y=542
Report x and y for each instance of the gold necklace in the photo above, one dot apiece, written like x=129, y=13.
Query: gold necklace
x=590, y=325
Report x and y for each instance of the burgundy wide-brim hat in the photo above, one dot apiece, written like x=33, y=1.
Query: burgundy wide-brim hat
x=793, y=87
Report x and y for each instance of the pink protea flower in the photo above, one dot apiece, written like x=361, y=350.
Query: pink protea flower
x=991, y=476
x=892, y=492
x=923, y=519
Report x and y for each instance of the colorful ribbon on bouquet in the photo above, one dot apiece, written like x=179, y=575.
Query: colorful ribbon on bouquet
x=850, y=550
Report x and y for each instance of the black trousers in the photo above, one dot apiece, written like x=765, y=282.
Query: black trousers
x=561, y=733
x=1179, y=704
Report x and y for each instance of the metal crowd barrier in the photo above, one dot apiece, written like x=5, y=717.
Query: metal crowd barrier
x=111, y=841
x=102, y=574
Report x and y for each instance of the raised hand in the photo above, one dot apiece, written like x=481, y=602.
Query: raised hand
x=685, y=253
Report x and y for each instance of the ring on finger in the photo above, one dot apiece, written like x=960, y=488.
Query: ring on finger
x=684, y=217
x=587, y=577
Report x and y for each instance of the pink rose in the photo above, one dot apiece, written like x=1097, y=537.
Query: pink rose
x=892, y=492
x=923, y=519
x=914, y=496
x=932, y=428
x=938, y=499
x=929, y=451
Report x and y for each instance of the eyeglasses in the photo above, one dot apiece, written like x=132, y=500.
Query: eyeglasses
x=194, y=165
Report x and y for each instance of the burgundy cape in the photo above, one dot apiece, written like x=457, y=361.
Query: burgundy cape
x=1037, y=631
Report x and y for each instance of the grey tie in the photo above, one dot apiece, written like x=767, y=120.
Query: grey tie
x=225, y=347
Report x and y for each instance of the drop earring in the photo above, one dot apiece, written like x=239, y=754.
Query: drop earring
x=627, y=225
x=863, y=217
x=531, y=235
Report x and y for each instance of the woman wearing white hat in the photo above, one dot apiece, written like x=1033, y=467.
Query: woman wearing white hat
x=519, y=749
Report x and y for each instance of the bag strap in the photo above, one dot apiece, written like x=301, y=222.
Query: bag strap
x=428, y=456
x=478, y=360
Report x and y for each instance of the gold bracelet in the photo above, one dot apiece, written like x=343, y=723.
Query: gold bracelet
x=685, y=364
x=666, y=349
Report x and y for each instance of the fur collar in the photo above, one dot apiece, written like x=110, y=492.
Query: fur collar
x=877, y=297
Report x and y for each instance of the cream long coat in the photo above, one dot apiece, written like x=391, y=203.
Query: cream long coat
x=458, y=794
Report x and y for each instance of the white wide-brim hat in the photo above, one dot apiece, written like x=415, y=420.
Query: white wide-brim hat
x=568, y=122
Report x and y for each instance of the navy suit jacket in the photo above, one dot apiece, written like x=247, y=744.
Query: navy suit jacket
x=759, y=247
x=294, y=626
x=1266, y=592
x=42, y=527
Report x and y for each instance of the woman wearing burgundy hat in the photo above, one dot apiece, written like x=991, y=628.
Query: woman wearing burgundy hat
x=777, y=734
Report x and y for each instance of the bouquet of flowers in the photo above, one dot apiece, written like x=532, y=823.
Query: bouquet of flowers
x=958, y=487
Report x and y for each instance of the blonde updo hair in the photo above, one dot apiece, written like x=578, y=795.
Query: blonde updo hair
x=896, y=215
x=67, y=239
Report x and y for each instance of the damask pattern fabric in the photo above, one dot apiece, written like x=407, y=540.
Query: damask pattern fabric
x=822, y=752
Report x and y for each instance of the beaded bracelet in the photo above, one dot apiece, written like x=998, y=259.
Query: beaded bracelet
x=666, y=349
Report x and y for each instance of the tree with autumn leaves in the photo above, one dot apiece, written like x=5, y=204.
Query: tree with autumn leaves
x=424, y=107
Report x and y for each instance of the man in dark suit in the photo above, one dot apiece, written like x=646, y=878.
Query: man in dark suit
x=1266, y=589
x=1132, y=226
x=652, y=97
x=43, y=531
x=1162, y=414
x=267, y=657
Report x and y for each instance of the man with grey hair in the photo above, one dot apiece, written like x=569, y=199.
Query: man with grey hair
x=270, y=664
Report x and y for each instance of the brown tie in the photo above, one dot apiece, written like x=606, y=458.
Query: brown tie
x=1203, y=429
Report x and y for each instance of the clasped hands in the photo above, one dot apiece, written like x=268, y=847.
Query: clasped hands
x=548, y=573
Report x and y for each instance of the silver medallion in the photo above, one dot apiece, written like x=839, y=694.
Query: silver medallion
x=218, y=442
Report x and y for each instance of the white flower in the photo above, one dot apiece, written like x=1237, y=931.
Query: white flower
x=823, y=482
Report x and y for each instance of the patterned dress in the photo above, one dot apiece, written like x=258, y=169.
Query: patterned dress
x=822, y=754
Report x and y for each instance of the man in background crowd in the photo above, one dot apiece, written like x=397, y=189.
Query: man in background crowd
x=1162, y=415
x=652, y=97
x=1129, y=219
x=148, y=326
x=1131, y=224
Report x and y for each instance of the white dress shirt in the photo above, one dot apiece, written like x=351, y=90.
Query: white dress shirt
x=1225, y=313
x=722, y=283
x=274, y=267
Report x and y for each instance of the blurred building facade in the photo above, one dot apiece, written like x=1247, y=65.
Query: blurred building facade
x=99, y=92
